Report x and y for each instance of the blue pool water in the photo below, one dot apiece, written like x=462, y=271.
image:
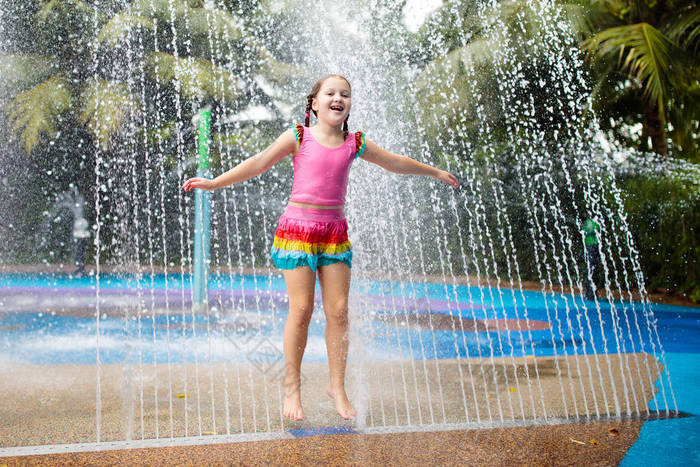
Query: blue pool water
x=50, y=320
x=673, y=441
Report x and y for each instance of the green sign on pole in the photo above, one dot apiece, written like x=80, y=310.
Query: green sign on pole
x=202, y=212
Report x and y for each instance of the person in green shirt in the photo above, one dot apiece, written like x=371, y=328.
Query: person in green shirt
x=590, y=229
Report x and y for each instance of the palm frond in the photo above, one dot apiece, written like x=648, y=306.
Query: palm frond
x=156, y=9
x=61, y=8
x=278, y=72
x=219, y=23
x=119, y=27
x=684, y=115
x=21, y=71
x=198, y=79
x=200, y=21
x=685, y=29
x=589, y=17
x=641, y=51
x=620, y=9
x=37, y=110
x=444, y=28
x=518, y=17
x=106, y=106
x=153, y=135
x=477, y=51
x=579, y=19
x=442, y=85
x=523, y=24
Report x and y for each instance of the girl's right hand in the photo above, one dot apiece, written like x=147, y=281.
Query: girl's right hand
x=197, y=182
x=448, y=178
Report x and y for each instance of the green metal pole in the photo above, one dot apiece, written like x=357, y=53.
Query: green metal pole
x=202, y=213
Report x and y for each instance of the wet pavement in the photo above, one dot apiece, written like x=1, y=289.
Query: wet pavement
x=590, y=444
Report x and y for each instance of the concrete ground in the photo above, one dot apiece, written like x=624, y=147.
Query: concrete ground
x=44, y=405
x=590, y=444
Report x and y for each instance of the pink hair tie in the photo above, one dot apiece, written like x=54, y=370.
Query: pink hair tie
x=307, y=115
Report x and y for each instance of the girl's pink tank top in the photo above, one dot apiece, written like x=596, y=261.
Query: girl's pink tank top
x=321, y=173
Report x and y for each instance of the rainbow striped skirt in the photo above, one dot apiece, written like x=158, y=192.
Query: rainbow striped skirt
x=311, y=237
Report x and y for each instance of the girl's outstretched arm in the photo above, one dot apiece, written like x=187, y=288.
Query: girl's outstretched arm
x=404, y=165
x=249, y=168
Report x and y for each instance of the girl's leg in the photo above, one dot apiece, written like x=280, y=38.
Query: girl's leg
x=300, y=288
x=335, y=287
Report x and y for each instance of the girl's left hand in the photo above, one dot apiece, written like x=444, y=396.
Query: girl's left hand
x=447, y=178
x=198, y=182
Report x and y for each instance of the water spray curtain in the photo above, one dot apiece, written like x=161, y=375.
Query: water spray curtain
x=530, y=171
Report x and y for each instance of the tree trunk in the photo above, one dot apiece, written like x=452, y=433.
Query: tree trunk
x=655, y=130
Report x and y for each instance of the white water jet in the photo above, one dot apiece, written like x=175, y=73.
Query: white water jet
x=423, y=239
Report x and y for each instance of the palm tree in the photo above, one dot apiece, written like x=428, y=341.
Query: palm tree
x=42, y=66
x=64, y=79
x=643, y=57
x=462, y=35
x=646, y=59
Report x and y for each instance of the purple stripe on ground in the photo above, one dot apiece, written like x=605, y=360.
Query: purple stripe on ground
x=224, y=296
x=321, y=430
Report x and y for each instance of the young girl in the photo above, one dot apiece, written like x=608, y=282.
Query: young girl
x=311, y=236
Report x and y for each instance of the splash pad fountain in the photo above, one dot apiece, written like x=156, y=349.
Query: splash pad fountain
x=446, y=329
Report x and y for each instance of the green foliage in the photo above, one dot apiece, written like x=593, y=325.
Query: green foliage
x=198, y=79
x=63, y=87
x=643, y=58
x=461, y=88
x=35, y=111
x=634, y=63
x=60, y=8
x=664, y=216
x=106, y=108
x=685, y=29
x=151, y=136
x=69, y=83
x=644, y=53
x=60, y=28
x=445, y=29
x=21, y=71
x=279, y=72
x=215, y=23
x=120, y=26
x=195, y=28
x=442, y=114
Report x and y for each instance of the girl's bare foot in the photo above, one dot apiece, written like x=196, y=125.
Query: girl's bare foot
x=342, y=404
x=292, y=401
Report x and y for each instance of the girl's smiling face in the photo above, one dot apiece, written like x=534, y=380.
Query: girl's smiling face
x=332, y=103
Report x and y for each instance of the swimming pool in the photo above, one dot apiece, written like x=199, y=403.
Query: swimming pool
x=50, y=320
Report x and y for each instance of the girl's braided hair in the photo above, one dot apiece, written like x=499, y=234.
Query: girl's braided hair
x=314, y=91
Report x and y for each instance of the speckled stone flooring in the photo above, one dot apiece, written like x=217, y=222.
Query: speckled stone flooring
x=50, y=405
x=44, y=405
x=590, y=444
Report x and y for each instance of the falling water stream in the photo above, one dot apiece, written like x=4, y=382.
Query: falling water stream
x=443, y=322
